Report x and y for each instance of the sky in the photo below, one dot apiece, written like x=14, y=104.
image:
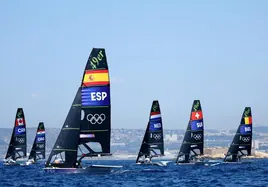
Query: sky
x=173, y=51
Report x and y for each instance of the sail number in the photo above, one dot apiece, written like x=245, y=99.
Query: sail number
x=94, y=62
x=99, y=96
x=41, y=139
x=21, y=130
x=157, y=125
x=199, y=125
x=247, y=129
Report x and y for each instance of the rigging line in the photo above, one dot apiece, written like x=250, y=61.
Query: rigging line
x=241, y=152
x=194, y=152
x=18, y=154
x=88, y=148
x=61, y=157
x=154, y=152
x=56, y=156
x=80, y=149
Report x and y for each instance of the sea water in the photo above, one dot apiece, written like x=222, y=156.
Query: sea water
x=254, y=173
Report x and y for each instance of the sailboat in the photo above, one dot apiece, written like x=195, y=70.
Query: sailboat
x=242, y=142
x=18, y=143
x=153, y=143
x=193, y=142
x=38, y=151
x=86, y=131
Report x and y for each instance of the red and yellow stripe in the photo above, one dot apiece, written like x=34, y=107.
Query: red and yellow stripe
x=248, y=120
x=96, y=77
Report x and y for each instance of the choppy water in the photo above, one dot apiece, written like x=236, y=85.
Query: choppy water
x=248, y=174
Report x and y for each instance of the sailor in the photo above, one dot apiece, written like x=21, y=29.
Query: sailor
x=147, y=160
x=30, y=161
x=193, y=158
x=78, y=164
x=141, y=161
x=11, y=161
x=58, y=161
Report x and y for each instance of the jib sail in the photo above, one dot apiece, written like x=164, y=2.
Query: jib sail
x=18, y=142
x=242, y=142
x=153, y=144
x=64, y=152
x=193, y=142
x=38, y=150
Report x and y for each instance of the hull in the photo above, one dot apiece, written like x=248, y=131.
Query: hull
x=38, y=162
x=94, y=169
x=202, y=163
x=160, y=163
x=186, y=164
x=197, y=162
x=29, y=163
x=207, y=163
x=152, y=164
x=247, y=162
x=11, y=164
x=62, y=170
x=215, y=163
x=16, y=163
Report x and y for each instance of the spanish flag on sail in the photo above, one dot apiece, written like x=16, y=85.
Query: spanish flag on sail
x=96, y=77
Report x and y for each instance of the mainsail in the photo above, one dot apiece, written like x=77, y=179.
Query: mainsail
x=242, y=142
x=89, y=119
x=96, y=107
x=153, y=144
x=17, y=146
x=193, y=142
x=38, y=151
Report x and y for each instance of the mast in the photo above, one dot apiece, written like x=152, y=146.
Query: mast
x=38, y=150
x=95, y=126
x=193, y=142
x=242, y=141
x=153, y=143
x=18, y=142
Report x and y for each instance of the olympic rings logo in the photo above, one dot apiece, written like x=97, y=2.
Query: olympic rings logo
x=20, y=140
x=40, y=145
x=197, y=136
x=157, y=136
x=96, y=118
x=245, y=139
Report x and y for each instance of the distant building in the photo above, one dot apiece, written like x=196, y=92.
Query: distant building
x=171, y=138
x=215, y=151
x=256, y=144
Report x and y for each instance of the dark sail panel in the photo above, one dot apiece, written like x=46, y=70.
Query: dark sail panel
x=97, y=60
x=64, y=150
x=39, y=146
x=193, y=142
x=96, y=106
x=242, y=142
x=153, y=143
x=144, y=150
x=17, y=146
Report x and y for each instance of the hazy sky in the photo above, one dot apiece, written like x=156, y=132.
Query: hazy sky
x=173, y=51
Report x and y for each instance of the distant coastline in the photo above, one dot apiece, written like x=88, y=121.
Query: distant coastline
x=125, y=143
